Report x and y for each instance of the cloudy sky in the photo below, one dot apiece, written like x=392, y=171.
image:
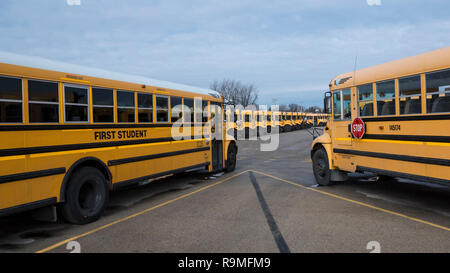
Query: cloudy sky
x=290, y=49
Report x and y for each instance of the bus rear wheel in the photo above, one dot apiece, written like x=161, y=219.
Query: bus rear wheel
x=86, y=196
x=231, y=158
x=321, y=167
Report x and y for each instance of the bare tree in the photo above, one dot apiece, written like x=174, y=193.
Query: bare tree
x=283, y=107
x=248, y=95
x=293, y=107
x=314, y=109
x=234, y=92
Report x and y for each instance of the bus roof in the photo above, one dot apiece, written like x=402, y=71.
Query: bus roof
x=426, y=62
x=38, y=62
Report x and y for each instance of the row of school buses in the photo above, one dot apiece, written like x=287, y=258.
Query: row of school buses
x=264, y=121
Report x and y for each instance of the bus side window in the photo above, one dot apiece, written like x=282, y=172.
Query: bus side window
x=10, y=100
x=438, y=92
x=410, y=94
x=125, y=106
x=162, y=109
x=204, y=111
x=365, y=95
x=386, y=98
x=76, y=103
x=103, y=104
x=189, y=110
x=145, y=107
x=176, y=105
x=43, y=102
x=347, y=104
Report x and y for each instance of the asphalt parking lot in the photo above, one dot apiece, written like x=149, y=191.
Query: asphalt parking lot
x=270, y=203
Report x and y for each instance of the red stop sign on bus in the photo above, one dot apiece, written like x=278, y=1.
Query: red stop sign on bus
x=358, y=128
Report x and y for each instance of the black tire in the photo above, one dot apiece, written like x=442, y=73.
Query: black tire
x=321, y=167
x=231, y=158
x=87, y=195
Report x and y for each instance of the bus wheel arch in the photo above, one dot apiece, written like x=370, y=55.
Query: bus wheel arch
x=321, y=167
x=85, y=162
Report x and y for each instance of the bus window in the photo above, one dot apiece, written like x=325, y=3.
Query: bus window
x=76, y=103
x=43, y=102
x=247, y=117
x=145, y=107
x=176, y=105
x=269, y=118
x=337, y=105
x=204, y=111
x=125, y=106
x=103, y=104
x=386, y=98
x=410, y=90
x=347, y=101
x=438, y=92
x=365, y=94
x=10, y=100
x=189, y=108
x=162, y=109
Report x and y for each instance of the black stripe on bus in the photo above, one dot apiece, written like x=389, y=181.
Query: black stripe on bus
x=70, y=147
x=29, y=206
x=408, y=118
x=30, y=175
x=416, y=159
x=88, y=126
x=156, y=175
x=410, y=138
x=403, y=175
x=155, y=156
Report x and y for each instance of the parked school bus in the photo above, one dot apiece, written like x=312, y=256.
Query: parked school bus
x=392, y=120
x=70, y=134
x=298, y=120
x=261, y=121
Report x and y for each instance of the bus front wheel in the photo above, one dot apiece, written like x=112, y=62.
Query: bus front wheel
x=321, y=167
x=86, y=196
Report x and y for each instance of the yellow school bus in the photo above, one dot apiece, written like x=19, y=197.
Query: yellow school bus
x=69, y=135
x=231, y=121
x=261, y=121
x=269, y=121
x=298, y=120
x=275, y=121
x=249, y=123
x=392, y=120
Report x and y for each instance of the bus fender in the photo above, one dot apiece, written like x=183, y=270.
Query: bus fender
x=325, y=142
x=86, y=161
